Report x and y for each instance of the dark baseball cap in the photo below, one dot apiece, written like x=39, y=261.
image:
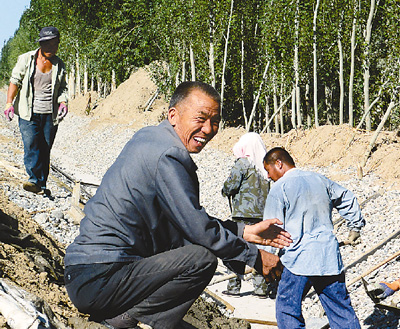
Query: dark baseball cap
x=48, y=33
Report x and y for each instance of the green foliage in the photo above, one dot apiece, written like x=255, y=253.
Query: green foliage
x=121, y=35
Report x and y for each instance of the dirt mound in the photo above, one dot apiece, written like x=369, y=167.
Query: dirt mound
x=128, y=104
x=32, y=260
x=324, y=146
x=328, y=145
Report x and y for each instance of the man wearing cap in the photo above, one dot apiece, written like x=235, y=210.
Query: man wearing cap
x=38, y=95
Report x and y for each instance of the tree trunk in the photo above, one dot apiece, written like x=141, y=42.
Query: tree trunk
x=78, y=77
x=341, y=81
x=328, y=104
x=211, y=64
x=85, y=80
x=105, y=93
x=192, y=64
x=224, y=62
x=71, y=83
x=367, y=42
x=293, y=109
x=242, y=81
x=298, y=114
x=267, y=114
x=99, y=86
x=275, y=109
x=275, y=113
x=211, y=60
x=315, y=65
x=183, y=71
x=378, y=130
x=177, y=82
x=296, y=63
x=351, y=78
x=281, y=115
x=308, y=105
x=253, y=111
x=113, y=82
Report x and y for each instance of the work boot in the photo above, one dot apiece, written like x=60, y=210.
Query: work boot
x=122, y=321
x=31, y=187
x=233, y=287
x=45, y=192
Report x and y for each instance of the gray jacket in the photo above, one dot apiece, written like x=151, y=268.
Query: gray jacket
x=148, y=203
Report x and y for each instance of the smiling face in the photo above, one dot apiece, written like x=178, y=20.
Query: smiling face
x=195, y=119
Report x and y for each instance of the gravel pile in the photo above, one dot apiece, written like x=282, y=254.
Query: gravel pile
x=86, y=154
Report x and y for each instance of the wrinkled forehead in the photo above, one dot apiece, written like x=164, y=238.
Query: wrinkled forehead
x=201, y=102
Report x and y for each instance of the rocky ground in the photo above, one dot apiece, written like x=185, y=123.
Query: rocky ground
x=36, y=229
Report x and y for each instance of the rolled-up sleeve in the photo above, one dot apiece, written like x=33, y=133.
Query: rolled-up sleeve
x=347, y=205
x=19, y=71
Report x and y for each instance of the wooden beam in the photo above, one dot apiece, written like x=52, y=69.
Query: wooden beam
x=219, y=300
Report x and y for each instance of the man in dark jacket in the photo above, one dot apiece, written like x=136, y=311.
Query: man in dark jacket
x=146, y=248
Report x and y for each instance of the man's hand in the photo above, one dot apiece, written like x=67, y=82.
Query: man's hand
x=271, y=266
x=267, y=233
x=62, y=111
x=9, y=111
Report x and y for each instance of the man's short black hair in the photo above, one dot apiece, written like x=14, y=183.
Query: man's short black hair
x=186, y=87
x=278, y=153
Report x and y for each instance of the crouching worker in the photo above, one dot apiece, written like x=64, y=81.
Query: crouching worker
x=146, y=248
x=303, y=201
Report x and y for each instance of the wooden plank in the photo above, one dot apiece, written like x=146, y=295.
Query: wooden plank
x=372, y=250
x=264, y=322
x=373, y=268
x=219, y=299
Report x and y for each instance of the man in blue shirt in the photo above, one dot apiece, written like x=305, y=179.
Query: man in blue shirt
x=303, y=201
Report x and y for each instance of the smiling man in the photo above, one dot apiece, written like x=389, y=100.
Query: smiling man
x=146, y=248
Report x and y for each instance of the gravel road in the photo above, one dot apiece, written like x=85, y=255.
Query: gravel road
x=86, y=154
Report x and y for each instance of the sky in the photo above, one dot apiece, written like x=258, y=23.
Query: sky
x=11, y=12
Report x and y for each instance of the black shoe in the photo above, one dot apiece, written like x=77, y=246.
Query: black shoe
x=105, y=324
x=109, y=326
x=122, y=321
x=231, y=293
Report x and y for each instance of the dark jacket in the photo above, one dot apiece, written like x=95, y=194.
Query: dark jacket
x=148, y=203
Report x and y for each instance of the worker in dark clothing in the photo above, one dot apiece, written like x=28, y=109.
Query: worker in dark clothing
x=146, y=248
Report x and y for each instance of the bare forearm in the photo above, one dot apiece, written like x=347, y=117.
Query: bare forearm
x=12, y=92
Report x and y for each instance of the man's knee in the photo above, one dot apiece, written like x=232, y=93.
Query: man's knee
x=204, y=258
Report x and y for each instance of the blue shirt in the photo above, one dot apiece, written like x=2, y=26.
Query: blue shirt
x=303, y=201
